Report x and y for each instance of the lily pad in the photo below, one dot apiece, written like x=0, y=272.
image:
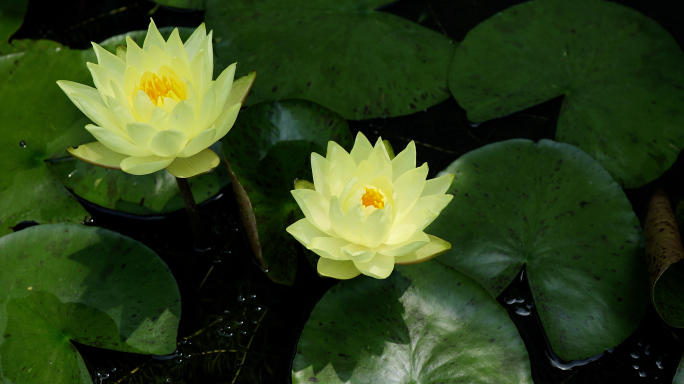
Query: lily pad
x=344, y=55
x=425, y=323
x=553, y=209
x=664, y=254
x=11, y=17
x=65, y=282
x=620, y=73
x=143, y=195
x=268, y=148
x=183, y=4
x=37, y=122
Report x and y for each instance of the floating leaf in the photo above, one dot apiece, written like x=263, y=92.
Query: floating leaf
x=552, y=208
x=664, y=251
x=65, y=282
x=425, y=323
x=183, y=4
x=267, y=149
x=11, y=17
x=344, y=55
x=37, y=122
x=620, y=73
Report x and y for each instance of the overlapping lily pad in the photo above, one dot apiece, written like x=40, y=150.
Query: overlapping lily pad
x=37, y=122
x=65, y=282
x=343, y=55
x=553, y=209
x=268, y=148
x=620, y=73
x=425, y=323
x=11, y=16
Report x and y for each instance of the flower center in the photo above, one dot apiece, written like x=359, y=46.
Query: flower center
x=373, y=197
x=163, y=84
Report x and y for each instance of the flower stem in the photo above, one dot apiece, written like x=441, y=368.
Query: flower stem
x=201, y=239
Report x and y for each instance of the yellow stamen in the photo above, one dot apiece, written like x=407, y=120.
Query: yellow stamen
x=163, y=84
x=373, y=197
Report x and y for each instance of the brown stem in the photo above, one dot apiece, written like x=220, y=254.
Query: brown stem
x=201, y=239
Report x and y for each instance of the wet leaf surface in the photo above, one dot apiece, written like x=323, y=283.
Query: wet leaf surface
x=424, y=323
x=344, y=55
x=65, y=282
x=617, y=70
x=552, y=208
x=11, y=17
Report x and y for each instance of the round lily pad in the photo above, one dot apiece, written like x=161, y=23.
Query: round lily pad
x=553, y=209
x=11, y=16
x=344, y=55
x=65, y=282
x=425, y=323
x=620, y=73
x=268, y=148
x=37, y=122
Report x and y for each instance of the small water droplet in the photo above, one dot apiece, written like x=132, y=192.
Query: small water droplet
x=226, y=311
x=254, y=322
x=522, y=312
x=634, y=355
x=22, y=144
x=642, y=374
x=243, y=332
x=474, y=125
x=168, y=379
x=187, y=355
x=241, y=298
x=636, y=366
x=514, y=300
x=216, y=259
x=257, y=309
x=252, y=296
x=185, y=342
x=178, y=361
x=659, y=364
x=265, y=270
x=239, y=322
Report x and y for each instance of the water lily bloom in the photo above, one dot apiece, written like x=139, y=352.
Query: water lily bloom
x=367, y=212
x=157, y=106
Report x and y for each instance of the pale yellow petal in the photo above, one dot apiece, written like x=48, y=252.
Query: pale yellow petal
x=400, y=233
x=198, y=70
x=377, y=226
x=153, y=38
x=202, y=162
x=341, y=270
x=379, y=161
x=119, y=110
x=362, y=148
x=142, y=106
x=304, y=231
x=408, y=188
x=97, y=154
x=379, y=267
x=342, y=168
x=109, y=60
x=435, y=248
x=208, y=48
x=141, y=134
x=328, y=247
x=135, y=56
x=168, y=143
x=240, y=89
x=425, y=211
x=223, y=86
x=131, y=83
x=438, y=185
x=192, y=45
x=99, y=113
x=226, y=121
x=315, y=207
x=319, y=168
x=144, y=165
x=207, y=112
x=199, y=143
x=71, y=88
x=418, y=240
x=174, y=47
x=357, y=253
x=156, y=58
x=337, y=219
x=404, y=161
x=115, y=142
x=182, y=119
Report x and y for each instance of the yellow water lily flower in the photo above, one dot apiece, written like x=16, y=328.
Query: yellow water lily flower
x=368, y=212
x=157, y=106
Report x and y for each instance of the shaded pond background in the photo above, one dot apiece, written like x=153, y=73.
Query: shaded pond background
x=237, y=325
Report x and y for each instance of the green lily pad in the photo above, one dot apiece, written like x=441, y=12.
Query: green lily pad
x=679, y=375
x=268, y=148
x=344, y=55
x=37, y=122
x=553, y=209
x=11, y=17
x=620, y=73
x=425, y=323
x=65, y=282
x=183, y=4
x=143, y=195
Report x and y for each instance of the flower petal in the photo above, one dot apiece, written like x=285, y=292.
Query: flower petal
x=115, y=142
x=109, y=60
x=226, y=121
x=435, y=248
x=438, y=185
x=153, y=38
x=97, y=154
x=240, y=89
x=135, y=56
x=378, y=267
x=362, y=148
x=315, y=207
x=168, y=143
x=341, y=270
x=174, y=47
x=357, y=253
x=156, y=58
x=144, y=165
x=202, y=162
x=193, y=43
x=198, y=70
x=304, y=231
x=377, y=226
x=223, y=86
x=319, y=169
x=131, y=84
x=182, y=119
x=400, y=233
x=102, y=78
x=404, y=161
x=408, y=188
x=206, y=117
x=200, y=142
x=71, y=88
x=337, y=219
x=425, y=211
x=379, y=160
x=99, y=113
x=342, y=168
x=328, y=247
x=418, y=240
x=141, y=134
x=119, y=110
